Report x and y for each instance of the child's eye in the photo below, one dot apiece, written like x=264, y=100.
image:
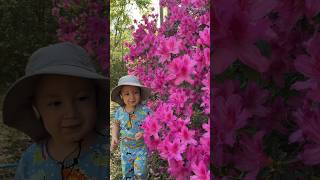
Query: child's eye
x=54, y=103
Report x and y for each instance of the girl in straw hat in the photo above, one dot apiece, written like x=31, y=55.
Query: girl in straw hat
x=60, y=103
x=128, y=120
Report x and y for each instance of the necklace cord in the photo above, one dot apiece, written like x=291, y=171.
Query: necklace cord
x=75, y=161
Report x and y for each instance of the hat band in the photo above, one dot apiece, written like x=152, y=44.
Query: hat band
x=39, y=69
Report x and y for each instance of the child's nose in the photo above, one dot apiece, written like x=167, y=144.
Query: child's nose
x=70, y=110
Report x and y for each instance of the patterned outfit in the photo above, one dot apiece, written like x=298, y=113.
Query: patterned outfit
x=36, y=164
x=133, y=152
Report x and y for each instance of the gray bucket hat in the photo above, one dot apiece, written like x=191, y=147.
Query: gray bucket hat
x=131, y=81
x=58, y=59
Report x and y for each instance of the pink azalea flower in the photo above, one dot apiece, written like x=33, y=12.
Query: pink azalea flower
x=206, y=95
x=178, y=97
x=207, y=56
x=173, y=45
x=279, y=64
x=254, y=99
x=96, y=27
x=175, y=149
x=236, y=34
x=205, y=145
x=198, y=57
x=178, y=169
x=190, y=153
x=204, y=37
x=310, y=66
x=185, y=2
x=311, y=87
x=55, y=11
x=312, y=8
x=311, y=154
x=198, y=3
x=186, y=136
x=307, y=119
x=177, y=13
x=164, y=148
x=250, y=156
x=176, y=125
x=226, y=89
x=151, y=125
x=258, y=9
x=206, y=127
x=276, y=116
x=164, y=113
x=66, y=4
x=182, y=68
x=230, y=116
x=158, y=83
x=162, y=50
x=291, y=11
x=152, y=140
x=201, y=171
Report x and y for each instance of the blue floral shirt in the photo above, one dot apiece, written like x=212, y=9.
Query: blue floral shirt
x=36, y=164
x=130, y=123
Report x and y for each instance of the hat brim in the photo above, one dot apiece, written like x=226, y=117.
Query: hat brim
x=17, y=103
x=115, y=92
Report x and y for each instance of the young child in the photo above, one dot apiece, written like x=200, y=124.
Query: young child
x=128, y=119
x=61, y=104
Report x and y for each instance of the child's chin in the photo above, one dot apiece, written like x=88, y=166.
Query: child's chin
x=132, y=104
x=76, y=137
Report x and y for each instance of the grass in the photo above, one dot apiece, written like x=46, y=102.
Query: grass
x=115, y=162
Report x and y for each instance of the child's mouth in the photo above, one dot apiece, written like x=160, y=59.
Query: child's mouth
x=71, y=126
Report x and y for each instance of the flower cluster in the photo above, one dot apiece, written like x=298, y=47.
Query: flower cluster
x=266, y=97
x=174, y=61
x=84, y=23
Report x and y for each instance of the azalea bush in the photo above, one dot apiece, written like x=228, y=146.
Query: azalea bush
x=84, y=22
x=266, y=93
x=173, y=61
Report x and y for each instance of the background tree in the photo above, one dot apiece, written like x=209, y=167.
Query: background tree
x=121, y=30
x=25, y=26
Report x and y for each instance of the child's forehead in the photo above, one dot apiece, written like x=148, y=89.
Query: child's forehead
x=129, y=88
x=54, y=83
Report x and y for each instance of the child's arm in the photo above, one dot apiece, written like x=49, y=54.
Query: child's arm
x=115, y=134
x=139, y=135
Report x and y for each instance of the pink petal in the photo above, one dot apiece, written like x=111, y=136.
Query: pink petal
x=222, y=58
x=251, y=56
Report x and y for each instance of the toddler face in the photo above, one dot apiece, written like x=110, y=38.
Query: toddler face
x=67, y=106
x=130, y=95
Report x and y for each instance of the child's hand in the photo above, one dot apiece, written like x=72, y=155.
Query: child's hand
x=114, y=143
x=139, y=135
